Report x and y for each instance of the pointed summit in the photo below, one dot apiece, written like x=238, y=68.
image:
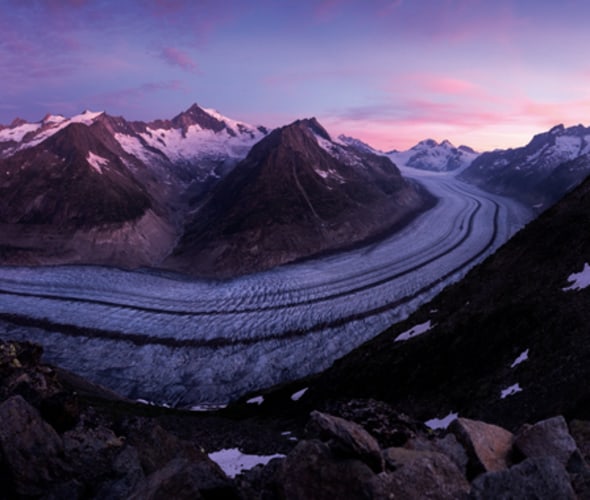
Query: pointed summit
x=296, y=194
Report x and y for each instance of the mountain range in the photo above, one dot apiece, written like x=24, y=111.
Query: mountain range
x=430, y=155
x=172, y=193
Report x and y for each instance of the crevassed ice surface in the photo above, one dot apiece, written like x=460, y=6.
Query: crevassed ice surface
x=185, y=342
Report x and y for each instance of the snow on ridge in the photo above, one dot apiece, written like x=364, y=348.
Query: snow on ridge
x=442, y=423
x=258, y=400
x=296, y=396
x=18, y=133
x=510, y=391
x=522, y=357
x=232, y=461
x=414, y=331
x=579, y=280
x=96, y=161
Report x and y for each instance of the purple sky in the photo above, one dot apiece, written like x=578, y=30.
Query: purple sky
x=391, y=72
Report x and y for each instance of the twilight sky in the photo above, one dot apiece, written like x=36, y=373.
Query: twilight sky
x=391, y=72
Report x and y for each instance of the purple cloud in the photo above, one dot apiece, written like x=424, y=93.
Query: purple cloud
x=177, y=57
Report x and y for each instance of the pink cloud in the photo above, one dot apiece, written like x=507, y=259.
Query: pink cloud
x=177, y=57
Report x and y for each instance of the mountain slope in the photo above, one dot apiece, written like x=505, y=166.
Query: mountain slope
x=296, y=194
x=75, y=198
x=430, y=155
x=460, y=353
x=539, y=173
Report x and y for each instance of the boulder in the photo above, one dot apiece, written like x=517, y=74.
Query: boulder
x=540, y=477
x=488, y=446
x=548, y=437
x=418, y=475
x=447, y=445
x=313, y=472
x=346, y=438
x=184, y=480
x=30, y=449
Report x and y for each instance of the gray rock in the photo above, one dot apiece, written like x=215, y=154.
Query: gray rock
x=418, y=475
x=488, y=446
x=447, y=445
x=347, y=438
x=181, y=479
x=313, y=472
x=549, y=437
x=535, y=478
x=30, y=449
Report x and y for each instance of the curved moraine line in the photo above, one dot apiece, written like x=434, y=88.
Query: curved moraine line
x=187, y=341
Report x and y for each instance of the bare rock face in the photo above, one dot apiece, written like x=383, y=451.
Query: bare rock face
x=312, y=472
x=31, y=450
x=541, y=477
x=549, y=437
x=488, y=446
x=347, y=438
x=439, y=477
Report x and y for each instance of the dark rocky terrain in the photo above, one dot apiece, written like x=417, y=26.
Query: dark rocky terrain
x=296, y=194
x=537, y=174
x=513, y=302
x=59, y=443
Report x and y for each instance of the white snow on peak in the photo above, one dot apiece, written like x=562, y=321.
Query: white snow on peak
x=579, y=280
x=509, y=391
x=258, y=400
x=430, y=155
x=18, y=133
x=235, y=125
x=232, y=461
x=414, y=331
x=87, y=117
x=96, y=161
x=522, y=357
x=297, y=395
x=441, y=423
x=54, y=119
x=568, y=145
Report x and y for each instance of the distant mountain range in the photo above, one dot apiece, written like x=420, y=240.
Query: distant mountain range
x=430, y=155
x=539, y=173
x=99, y=189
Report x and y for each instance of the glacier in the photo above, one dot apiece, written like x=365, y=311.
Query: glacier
x=170, y=339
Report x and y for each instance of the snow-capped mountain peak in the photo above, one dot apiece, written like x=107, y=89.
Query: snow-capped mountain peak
x=431, y=155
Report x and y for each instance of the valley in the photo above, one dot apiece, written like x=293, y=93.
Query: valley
x=162, y=337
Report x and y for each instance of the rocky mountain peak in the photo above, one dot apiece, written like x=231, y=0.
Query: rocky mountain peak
x=195, y=115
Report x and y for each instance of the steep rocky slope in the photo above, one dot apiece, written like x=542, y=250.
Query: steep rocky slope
x=537, y=174
x=507, y=344
x=296, y=194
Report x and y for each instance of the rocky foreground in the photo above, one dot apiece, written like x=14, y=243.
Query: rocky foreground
x=55, y=443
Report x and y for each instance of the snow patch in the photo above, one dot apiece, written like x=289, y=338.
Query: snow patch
x=414, y=331
x=509, y=391
x=579, y=280
x=258, y=400
x=203, y=407
x=96, y=161
x=17, y=133
x=523, y=356
x=232, y=461
x=441, y=423
x=297, y=395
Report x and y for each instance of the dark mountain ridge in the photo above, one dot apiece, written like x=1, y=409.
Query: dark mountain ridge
x=539, y=173
x=512, y=303
x=296, y=194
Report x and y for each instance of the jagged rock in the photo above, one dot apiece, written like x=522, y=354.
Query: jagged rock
x=127, y=476
x=313, y=472
x=260, y=482
x=30, y=449
x=580, y=431
x=347, y=438
x=488, y=446
x=181, y=479
x=381, y=420
x=447, y=445
x=157, y=447
x=540, y=477
x=417, y=475
x=549, y=437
